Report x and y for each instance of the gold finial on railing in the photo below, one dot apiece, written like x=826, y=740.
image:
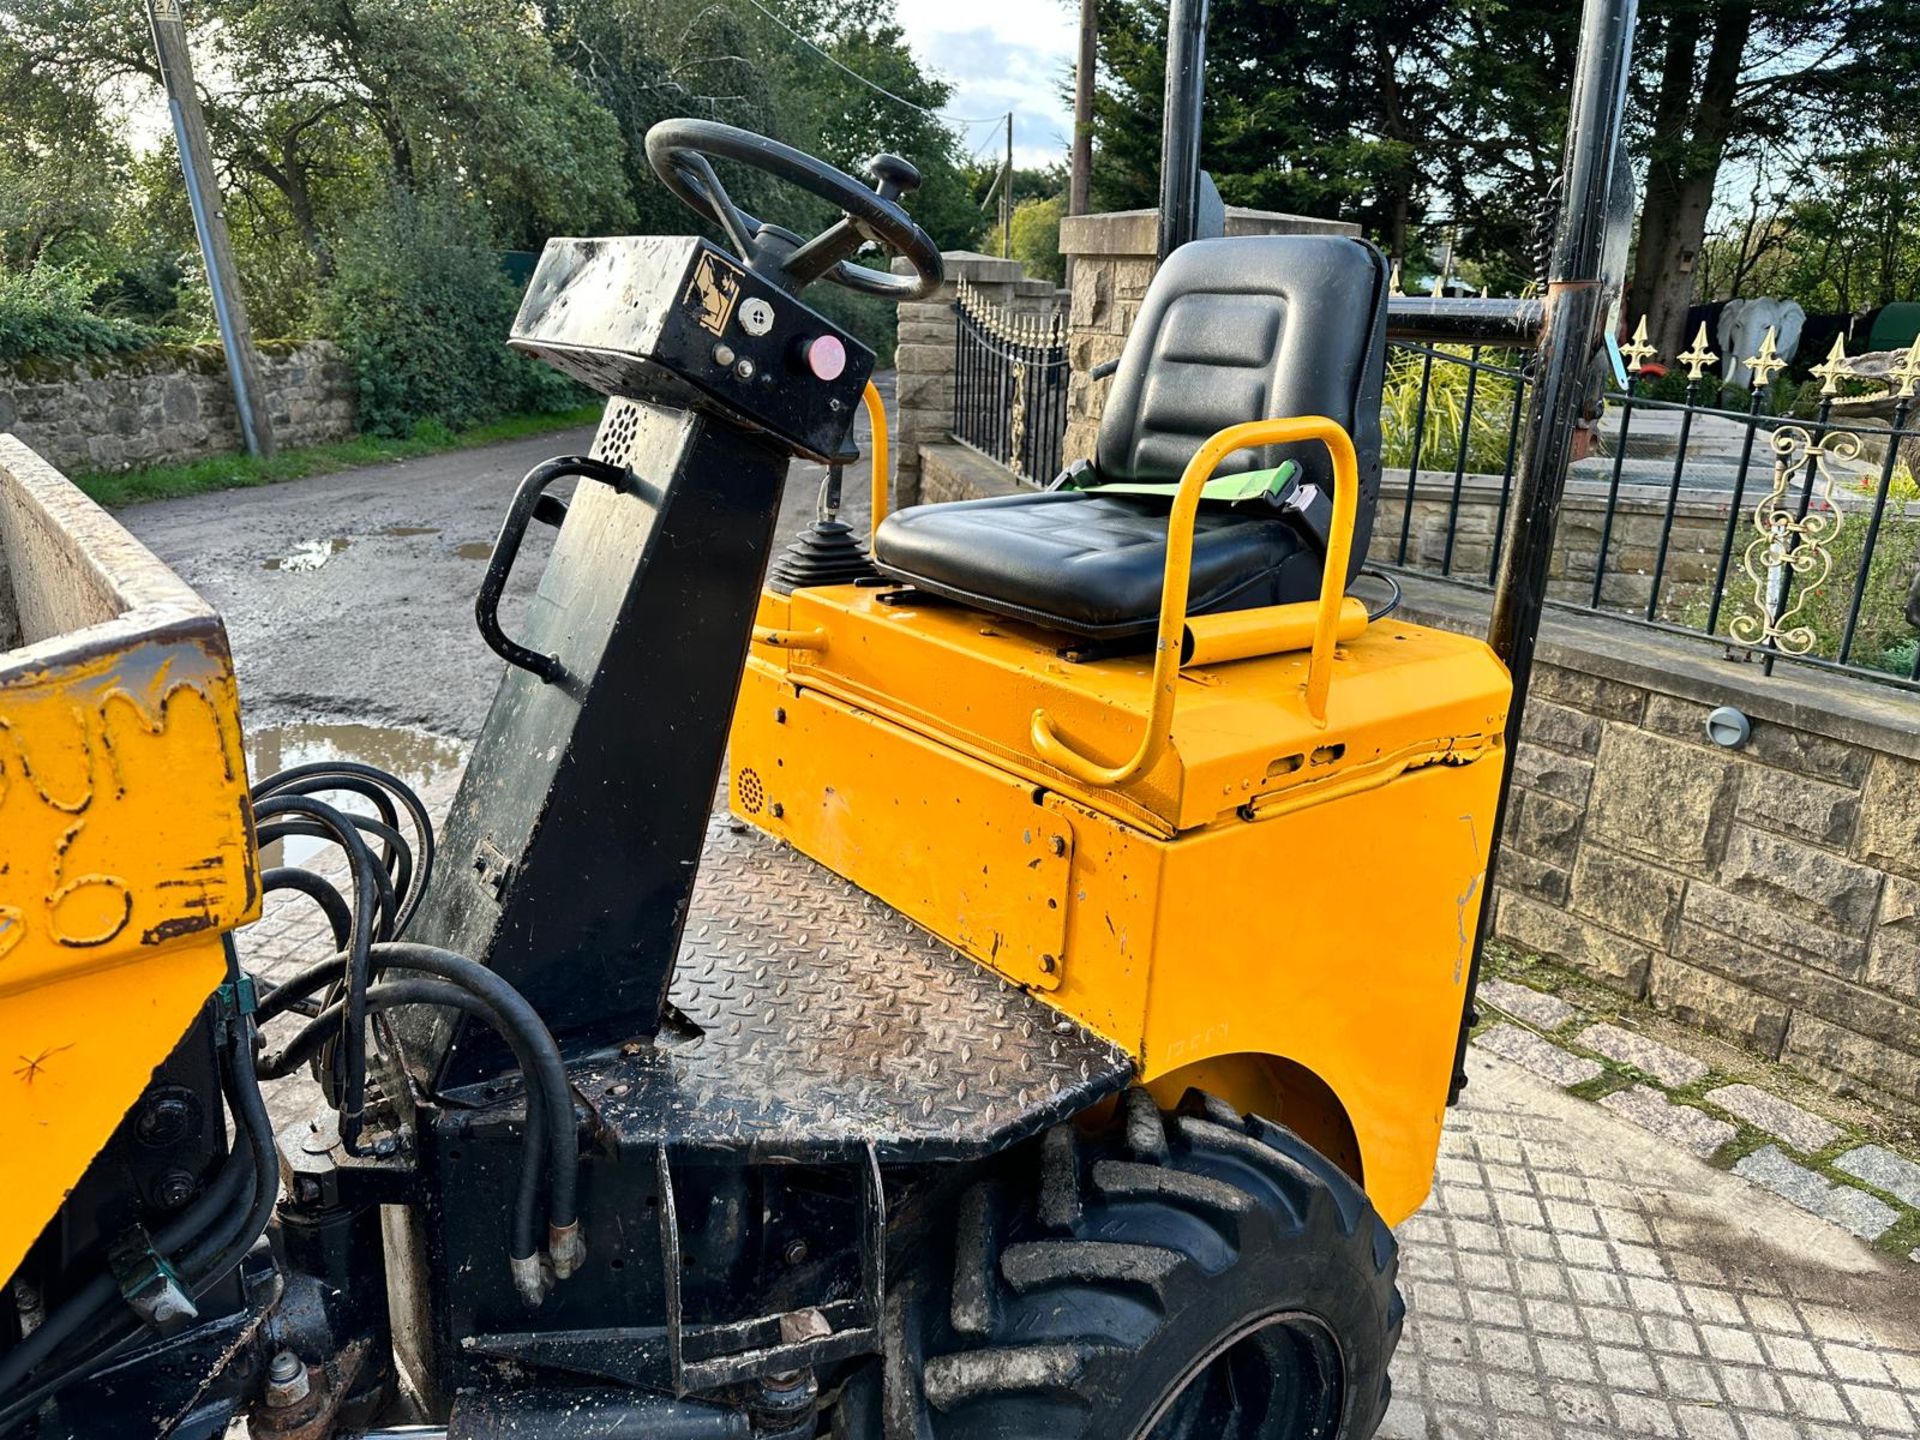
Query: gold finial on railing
x=1699, y=357
x=1766, y=363
x=1639, y=350
x=1393, y=279
x=1834, y=368
x=1908, y=372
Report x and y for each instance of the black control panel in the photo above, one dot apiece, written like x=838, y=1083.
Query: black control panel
x=678, y=321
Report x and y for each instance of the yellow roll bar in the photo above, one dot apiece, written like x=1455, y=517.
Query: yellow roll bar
x=1269, y=630
x=877, y=418
x=1173, y=592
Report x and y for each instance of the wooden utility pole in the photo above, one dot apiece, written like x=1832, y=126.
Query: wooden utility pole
x=1081, y=176
x=1006, y=196
x=210, y=224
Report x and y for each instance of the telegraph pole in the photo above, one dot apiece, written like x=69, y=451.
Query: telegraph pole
x=210, y=224
x=1006, y=196
x=1081, y=176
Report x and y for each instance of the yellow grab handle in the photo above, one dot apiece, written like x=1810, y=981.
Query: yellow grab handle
x=1173, y=592
x=814, y=639
x=877, y=418
x=1269, y=630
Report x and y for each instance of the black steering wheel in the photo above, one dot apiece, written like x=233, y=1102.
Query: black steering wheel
x=680, y=151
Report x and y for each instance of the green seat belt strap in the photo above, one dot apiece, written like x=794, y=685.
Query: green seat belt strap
x=1249, y=485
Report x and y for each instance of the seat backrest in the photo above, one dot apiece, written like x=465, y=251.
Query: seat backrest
x=1247, y=328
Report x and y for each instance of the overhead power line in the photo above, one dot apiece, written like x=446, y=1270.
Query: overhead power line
x=849, y=71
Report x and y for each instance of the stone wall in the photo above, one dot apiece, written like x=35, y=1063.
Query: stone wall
x=1687, y=573
x=1769, y=892
x=923, y=403
x=170, y=404
x=1111, y=260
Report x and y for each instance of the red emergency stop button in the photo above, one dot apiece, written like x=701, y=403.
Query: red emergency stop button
x=825, y=357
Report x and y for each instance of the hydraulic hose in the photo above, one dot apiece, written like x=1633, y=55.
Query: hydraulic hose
x=373, y=892
x=392, y=874
x=383, y=790
x=486, y=995
x=292, y=877
x=321, y=821
x=533, y=1046
x=392, y=993
x=213, y=1257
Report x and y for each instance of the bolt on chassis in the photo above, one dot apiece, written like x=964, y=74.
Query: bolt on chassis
x=1007, y=1054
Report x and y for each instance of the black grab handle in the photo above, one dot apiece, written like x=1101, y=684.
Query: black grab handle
x=527, y=506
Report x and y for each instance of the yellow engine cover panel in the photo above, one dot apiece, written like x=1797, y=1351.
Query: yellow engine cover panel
x=1321, y=910
x=125, y=838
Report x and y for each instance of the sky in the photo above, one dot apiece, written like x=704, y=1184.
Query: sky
x=1002, y=55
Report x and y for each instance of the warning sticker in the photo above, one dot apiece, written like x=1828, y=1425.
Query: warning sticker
x=713, y=292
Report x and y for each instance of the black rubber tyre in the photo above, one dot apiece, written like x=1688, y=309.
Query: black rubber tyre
x=1194, y=1276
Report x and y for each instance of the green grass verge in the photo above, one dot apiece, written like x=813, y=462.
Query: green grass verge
x=237, y=472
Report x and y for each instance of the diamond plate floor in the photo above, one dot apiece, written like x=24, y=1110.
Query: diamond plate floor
x=831, y=1020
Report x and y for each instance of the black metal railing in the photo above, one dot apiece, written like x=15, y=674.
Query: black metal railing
x=1780, y=518
x=1010, y=385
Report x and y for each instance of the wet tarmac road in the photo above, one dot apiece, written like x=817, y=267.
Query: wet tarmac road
x=349, y=598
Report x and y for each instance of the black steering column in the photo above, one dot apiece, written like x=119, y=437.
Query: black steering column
x=574, y=842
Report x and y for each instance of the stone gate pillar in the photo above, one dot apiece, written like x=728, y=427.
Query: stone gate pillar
x=1110, y=261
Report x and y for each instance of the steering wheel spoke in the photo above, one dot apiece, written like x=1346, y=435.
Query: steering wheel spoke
x=823, y=254
x=681, y=152
x=739, y=226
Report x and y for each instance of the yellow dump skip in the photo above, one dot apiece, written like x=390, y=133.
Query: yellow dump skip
x=125, y=840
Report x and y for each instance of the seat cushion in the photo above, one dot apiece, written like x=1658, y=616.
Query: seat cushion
x=1246, y=327
x=1092, y=564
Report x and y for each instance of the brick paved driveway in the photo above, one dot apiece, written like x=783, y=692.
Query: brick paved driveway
x=1573, y=1276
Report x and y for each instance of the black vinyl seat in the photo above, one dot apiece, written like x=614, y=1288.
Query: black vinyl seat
x=1231, y=330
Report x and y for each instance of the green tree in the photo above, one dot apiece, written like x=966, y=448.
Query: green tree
x=1724, y=78
x=423, y=308
x=1319, y=107
x=1036, y=237
x=649, y=60
x=1843, y=236
x=1498, y=145
x=327, y=101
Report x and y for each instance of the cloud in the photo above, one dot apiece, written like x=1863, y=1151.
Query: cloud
x=1002, y=55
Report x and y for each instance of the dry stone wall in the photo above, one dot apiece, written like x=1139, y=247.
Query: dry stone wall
x=170, y=404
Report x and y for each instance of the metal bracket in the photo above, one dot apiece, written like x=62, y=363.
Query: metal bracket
x=239, y=998
x=740, y=1350
x=148, y=1283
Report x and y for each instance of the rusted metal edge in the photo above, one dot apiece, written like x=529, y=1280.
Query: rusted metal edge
x=154, y=604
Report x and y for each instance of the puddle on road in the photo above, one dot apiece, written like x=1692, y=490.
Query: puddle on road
x=424, y=760
x=308, y=554
x=475, y=550
x=405, y=530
